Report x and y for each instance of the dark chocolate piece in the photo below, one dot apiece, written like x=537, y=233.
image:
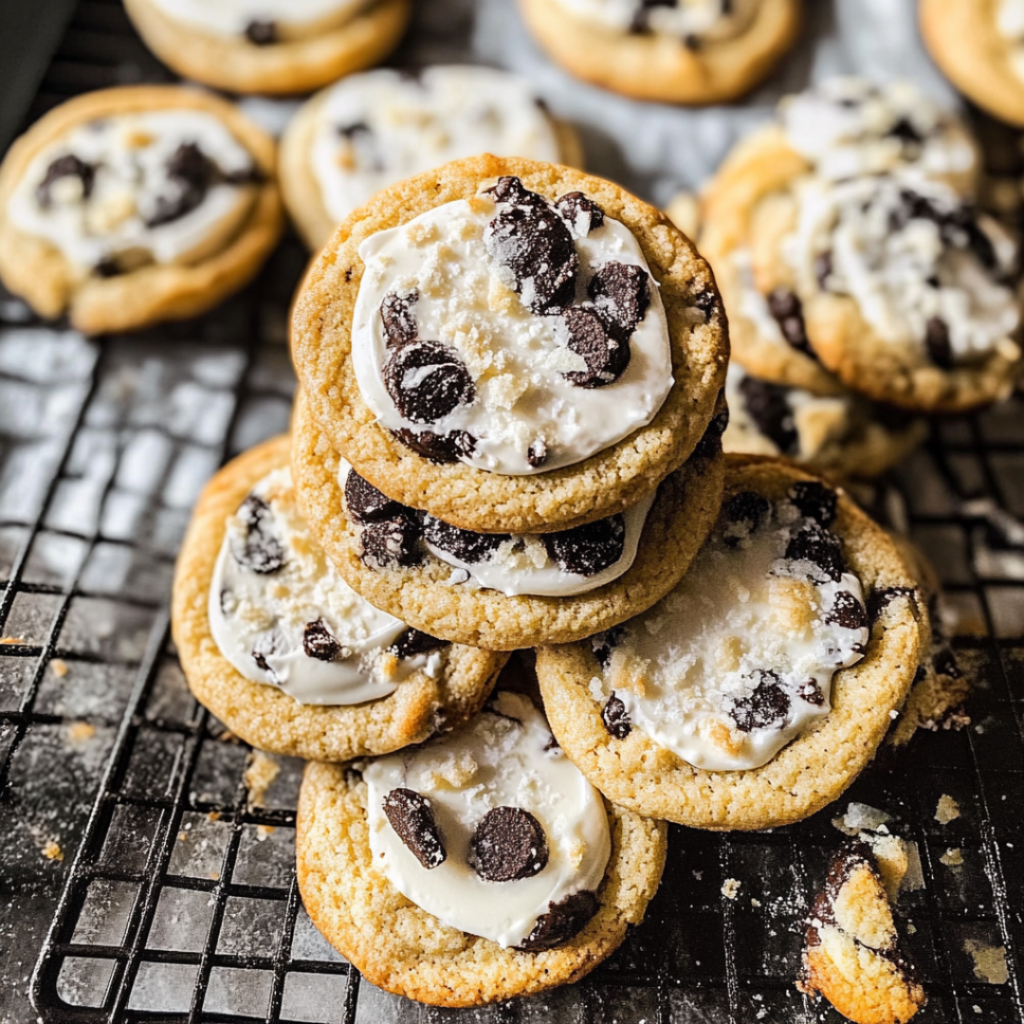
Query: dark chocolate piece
x=412, y=819
x=427, y=380
x=537, y=454
x=589, y=549
x=765, y=708
x=616, y=718
x=847, y=612
x=821, y=547
x=768, y=406
x=814, y=500
x=413, y=642
x=438, y=448
x=621, y=292
x=508, y=844
x=399, y=316
x=365, y=503
x=261, y=33
x=68, y=166
x=590, y=337
x=745, y=513
x=582, y=214
x=787, y=309
x=936, y=340
x=465, y=545
x=261, y=551
x=602, y=644
x=883, y=596
x=318, y=642
x=564, y=919
x=391, y=543
x=192, y=172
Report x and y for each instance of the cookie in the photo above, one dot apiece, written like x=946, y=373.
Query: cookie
x=789, y=681
x=502, y=591
x=276, y=645
x=542, y=400
x=138, y=204
x=274, y=47
x=979, y=46
x=844, y=128
x=373, y=129
x=551, y=873
x=673, y=51
x=852, y=955
x=839, y=436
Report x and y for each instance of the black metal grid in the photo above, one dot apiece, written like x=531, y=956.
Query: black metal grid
x=178, y=900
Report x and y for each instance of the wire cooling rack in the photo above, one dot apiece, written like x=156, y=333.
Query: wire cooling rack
x=146, y=864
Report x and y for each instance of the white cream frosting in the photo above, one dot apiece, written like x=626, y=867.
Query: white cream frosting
x=740, y=610
x=231, y=17
x=849, y=126
x=269, y=613
x=902, y=276
x=491, y=762
x=1010, y=25
x=376, y=128
x=516, y=358
x=130, y=154
x=696, y=19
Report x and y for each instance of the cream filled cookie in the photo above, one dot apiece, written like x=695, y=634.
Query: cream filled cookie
x=510, y=346
x=133, y=205
x=979, y=45
x=478, y=867
x=274, y=642
x=754, y=693
x=504, y=590
x=269, y=46
x=846, y=127
x=677, y=51
x=371, y=130
x=840, y=435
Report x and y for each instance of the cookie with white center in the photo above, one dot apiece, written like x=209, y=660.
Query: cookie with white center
x=844, y=128
x=852, y=955
x=133, y=205
x=282, y=651
x=477, y=867
x=504, y=591
x=269, y=46
x=980, y=48
x=370, y=130
x=675, y=51
x=840, y=435
x=755, y=692
x=510, y=346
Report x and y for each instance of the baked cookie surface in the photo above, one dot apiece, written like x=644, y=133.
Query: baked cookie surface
x=407, y=950
x=690, y=51
x=979, y=46
x=373, y=129
x=629, y=393
x=388, y=558
x=239, y=48
x=132, y=205
x=440, y=687
x=776, y=746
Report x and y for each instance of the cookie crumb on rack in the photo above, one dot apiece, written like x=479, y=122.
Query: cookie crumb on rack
x=952, y=858
x=731, y=888
x=947, y=810
x=989, y=961
x=59, y=667
x=52, y=851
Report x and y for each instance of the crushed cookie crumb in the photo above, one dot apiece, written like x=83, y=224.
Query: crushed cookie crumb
x=263, y=832
x=731, y=888
x=59, y=667
x=989, y=961
x=52, y=851
x=947, y=810
x=182, y=836
x=12, y=639
x=952, y=858
x=213, y=816
x=79, y=732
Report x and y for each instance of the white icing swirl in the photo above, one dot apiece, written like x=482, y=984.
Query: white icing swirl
x=129, y=156
x=902, y=267
x=296, y=18
x=268, y=613
x=379, y=127
x=696, y=20
x=684, y=669
x=494, y=761
x=516, y=358
x=849, y=126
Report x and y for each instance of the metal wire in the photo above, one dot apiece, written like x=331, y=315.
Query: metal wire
x=180, y=902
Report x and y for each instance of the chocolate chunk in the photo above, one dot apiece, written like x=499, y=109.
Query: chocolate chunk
x=590, y=337
x=602, y=644
x=365, y=503
x=787, y=309
x=904, y=130
x=413, y=642
x=811, y=692
x=68, y=166
x=745, y=513
x=192, y=173
x=847, y=612
x=707, y=301
x=508, y=844
x=819, y=546
x=261, y=33
x=533, y=244
x=582, y=215
x=261, y=551
x=390, y=543
x=427, y=380
x=936, y=340
x=765, y=708
x=823, y=269
x=710, y=444
x=318, y=642
x=882, y=597
x=621, y=292
x=616, y=718
x=269, y=643
x=438, y=448
x=814, y=500
x=397, y=312
x=564, y=919
x=465, y=545
x=109, y=266
x=768, y=406
x=412, y=819
x=945, y=664
x=350, y=131
x=537, y=454
x=589, y=549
